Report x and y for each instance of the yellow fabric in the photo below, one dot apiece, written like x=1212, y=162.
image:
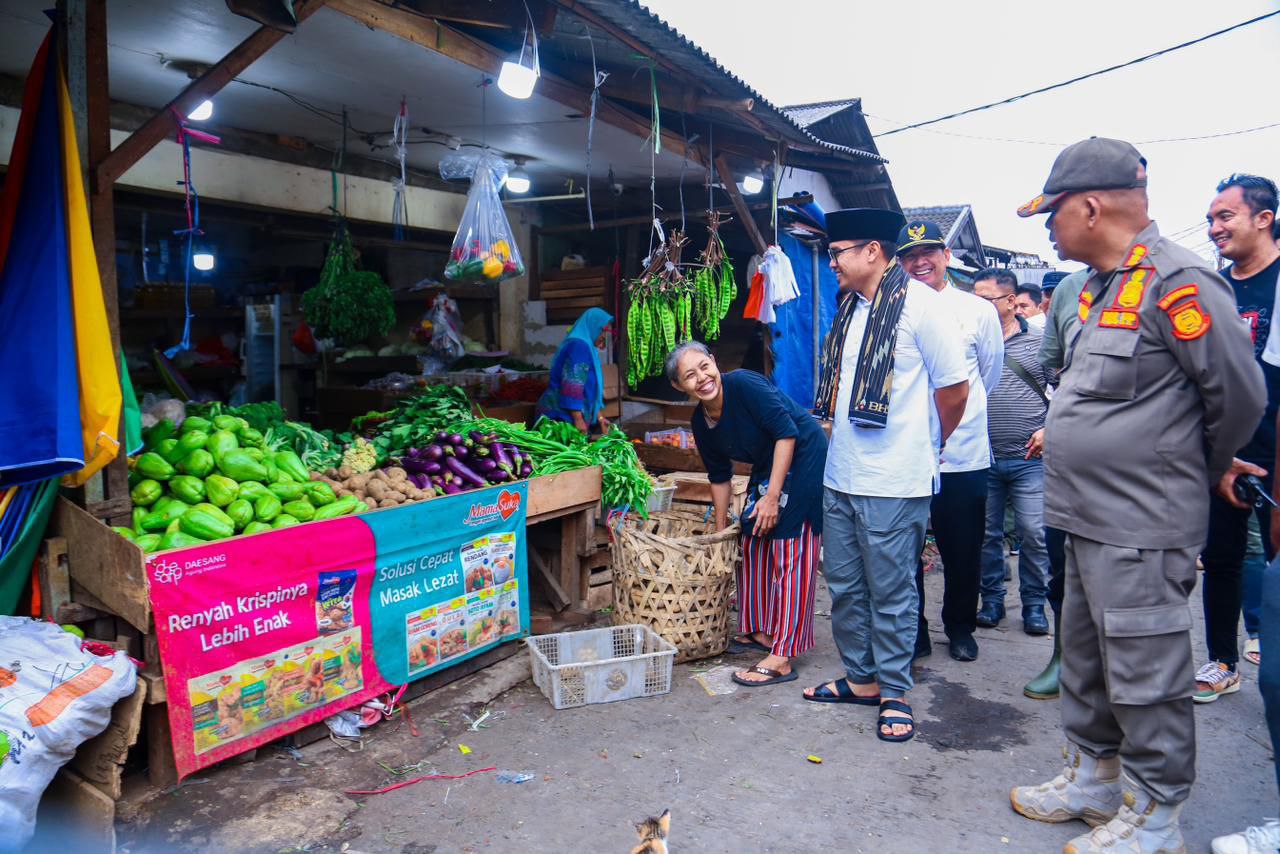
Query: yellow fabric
x=100, y=396
x=7, y=496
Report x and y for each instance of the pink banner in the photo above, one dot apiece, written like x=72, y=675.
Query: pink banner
x=263, y=635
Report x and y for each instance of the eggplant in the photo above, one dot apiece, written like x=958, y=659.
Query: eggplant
x=476, y=436
x=413, y=453
x=501, y=458
x=418, y=480
x=442, y=437
x=455, y=439
x=498, y=476
x=452, y=489
x=461, y=471
x=437, y=481
x=432, y=452
x=484, y=467
x=526, y=470
x=430, y=468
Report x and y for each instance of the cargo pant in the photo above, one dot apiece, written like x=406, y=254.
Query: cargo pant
x=1127, y=671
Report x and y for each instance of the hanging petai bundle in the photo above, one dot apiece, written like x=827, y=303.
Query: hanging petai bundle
x=660, y=314
x=714, y=287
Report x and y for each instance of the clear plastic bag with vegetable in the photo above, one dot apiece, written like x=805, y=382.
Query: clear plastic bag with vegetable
x=484, y=249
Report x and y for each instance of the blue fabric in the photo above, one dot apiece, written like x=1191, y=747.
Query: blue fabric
x=1022, y=483
x=1269, y=670
x=586, y=329
x=755, y=416
x=793, y=353
x=40, y=433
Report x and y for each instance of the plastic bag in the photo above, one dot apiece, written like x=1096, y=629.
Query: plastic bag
x=446, y=329
x=55, y=697
x=484, y=249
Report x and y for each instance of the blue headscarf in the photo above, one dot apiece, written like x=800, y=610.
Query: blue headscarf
x=586, y=329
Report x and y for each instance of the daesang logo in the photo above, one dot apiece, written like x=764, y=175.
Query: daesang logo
x=166, y=570
x=482, y=514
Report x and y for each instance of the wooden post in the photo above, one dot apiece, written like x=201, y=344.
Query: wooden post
x=730, y=182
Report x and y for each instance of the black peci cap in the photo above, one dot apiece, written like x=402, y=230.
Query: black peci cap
x=863, y=224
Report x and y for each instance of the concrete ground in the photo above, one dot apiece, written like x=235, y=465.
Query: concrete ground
x=731, y=767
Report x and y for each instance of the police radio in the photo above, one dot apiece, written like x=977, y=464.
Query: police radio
x=1251, y=491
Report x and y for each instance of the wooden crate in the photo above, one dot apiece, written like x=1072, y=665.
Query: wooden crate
x=568, y=293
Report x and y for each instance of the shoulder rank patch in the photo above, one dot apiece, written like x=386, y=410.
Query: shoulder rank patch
x=1086, y=300
x=1118, y=318
x=1177, y=294
x=1189, y=320
x=1133, y=287
x=1136, y=254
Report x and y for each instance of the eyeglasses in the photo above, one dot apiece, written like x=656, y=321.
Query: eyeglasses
x=997, y=299
x=834, y=254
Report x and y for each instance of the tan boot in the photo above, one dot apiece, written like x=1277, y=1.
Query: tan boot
x=1088, y=789
x=1143, y=826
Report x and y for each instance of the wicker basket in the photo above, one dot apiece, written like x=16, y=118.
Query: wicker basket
x=670, y=575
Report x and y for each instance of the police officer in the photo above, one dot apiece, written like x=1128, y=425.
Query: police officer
x=1158, y=391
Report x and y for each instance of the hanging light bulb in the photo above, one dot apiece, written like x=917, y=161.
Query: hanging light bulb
x=203, y=260
x=520, y=73
x=518, y=180
x=752, y=183
x=202, y=112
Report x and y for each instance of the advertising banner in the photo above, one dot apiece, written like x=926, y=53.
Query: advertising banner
x=261, y=636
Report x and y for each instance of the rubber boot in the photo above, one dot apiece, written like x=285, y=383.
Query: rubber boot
x=1045, y=686
x=1088, y=789
x=1143, y=826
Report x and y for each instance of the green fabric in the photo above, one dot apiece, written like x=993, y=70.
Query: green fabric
x=15, y=566
x=132, y=412
x=1060, y=326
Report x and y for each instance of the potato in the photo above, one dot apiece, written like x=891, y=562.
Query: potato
x=344, y=473
x=358, y=483
x=332, y=474
x=315, y=475
x=371, y=504
x=395, y=474
x=342, y=492
x=378, y=475
x=387, y=502
x=412, y=493
x=377, y=489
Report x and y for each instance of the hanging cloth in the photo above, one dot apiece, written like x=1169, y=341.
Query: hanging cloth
x=40, y=434
x=400, y=142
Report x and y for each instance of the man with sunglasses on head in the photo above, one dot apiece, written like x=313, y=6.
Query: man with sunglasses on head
x=1158, y=390
x=958, y=512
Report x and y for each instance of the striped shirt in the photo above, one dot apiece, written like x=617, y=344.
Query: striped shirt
x=1014, y=410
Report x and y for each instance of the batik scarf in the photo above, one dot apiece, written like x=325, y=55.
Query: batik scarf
x=873, y=380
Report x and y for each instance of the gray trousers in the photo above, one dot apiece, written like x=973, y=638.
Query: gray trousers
x=869, y=551
x=1127, y=671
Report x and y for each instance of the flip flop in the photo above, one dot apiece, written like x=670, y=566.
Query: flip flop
x=843, y=694
x=1253, y=651
x=884, y=721
x=774, y=677
x=737, y=645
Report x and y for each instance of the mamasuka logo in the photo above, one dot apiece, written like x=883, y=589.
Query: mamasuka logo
x=482, y=514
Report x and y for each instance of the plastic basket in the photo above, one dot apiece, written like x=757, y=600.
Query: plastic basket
x=601, y=665
x=660, y=498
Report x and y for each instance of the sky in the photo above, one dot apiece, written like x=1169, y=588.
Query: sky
x=913, y=62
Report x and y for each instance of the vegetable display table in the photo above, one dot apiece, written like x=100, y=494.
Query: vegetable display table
x=361, y=573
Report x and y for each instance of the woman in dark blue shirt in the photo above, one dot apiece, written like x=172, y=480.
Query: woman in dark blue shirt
x=742, y=416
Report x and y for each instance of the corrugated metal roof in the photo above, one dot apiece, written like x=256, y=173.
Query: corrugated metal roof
x=807, y=115
x=949, y=218
x=652, y=30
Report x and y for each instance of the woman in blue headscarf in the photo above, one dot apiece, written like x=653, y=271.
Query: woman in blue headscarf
x=576, y=393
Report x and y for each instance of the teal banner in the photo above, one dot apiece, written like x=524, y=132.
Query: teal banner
x=451, y=580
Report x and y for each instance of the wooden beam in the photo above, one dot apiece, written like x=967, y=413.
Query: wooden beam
x=730, y=181
x=209, y=84
x=496, y=14
x=463, y=48
x=644, y=219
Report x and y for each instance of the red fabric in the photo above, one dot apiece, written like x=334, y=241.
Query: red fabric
x=755, y=299
x=22, y=146
x=775, y=590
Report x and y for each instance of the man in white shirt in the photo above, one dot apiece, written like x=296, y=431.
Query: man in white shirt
x=891, y=357
x=959, y=509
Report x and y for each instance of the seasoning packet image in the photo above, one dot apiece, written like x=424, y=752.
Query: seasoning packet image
x=335, y=601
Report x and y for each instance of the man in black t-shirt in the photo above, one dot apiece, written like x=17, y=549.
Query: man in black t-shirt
x=1241, y=218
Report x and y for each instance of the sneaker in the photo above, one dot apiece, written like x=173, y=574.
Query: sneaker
x=1251, y=840
x=1213, y=680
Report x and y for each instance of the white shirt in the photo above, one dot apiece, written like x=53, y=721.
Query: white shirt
x=969, y=447
x=901, y=460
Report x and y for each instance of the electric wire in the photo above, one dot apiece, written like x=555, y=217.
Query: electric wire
x=1079, y=78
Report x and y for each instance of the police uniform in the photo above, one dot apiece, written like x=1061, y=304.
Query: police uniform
x=1158, y=391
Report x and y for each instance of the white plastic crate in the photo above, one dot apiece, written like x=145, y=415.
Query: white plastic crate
x=601, y=665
